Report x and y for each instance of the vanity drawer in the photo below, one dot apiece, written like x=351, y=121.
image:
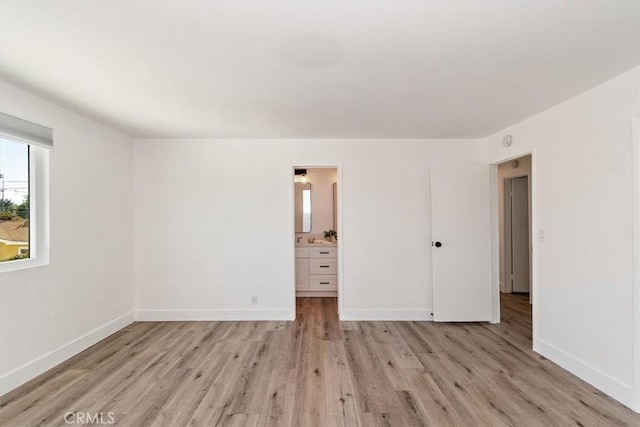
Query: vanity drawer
x=320, y=282
x=323, y=266
x=302, y=252
x=316, y=252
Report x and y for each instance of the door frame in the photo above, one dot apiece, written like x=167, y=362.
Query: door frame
x=636, y=256
x=340, y=242
x=507, y=221
x=495, y=235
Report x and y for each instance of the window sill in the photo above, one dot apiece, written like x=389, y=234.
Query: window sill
x=22, y=264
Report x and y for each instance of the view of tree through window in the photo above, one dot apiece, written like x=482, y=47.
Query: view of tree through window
x=14, y=200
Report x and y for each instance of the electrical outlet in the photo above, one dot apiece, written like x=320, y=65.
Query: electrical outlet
x=254, y=299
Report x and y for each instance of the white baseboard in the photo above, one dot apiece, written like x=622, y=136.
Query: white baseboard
x=614, y=388
x=390, y=315
x=28, y=371
x=214, y=315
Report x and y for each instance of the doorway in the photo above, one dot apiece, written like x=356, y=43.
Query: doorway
x=317, y=237
x=517, y=235
x=514, y=179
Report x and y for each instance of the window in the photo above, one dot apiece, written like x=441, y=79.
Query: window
x=14, y=200
x=24, y=157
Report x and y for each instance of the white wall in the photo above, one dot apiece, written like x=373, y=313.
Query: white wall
x=582, y=189
x=47, y=314
x=209, y=233
x=507, y=170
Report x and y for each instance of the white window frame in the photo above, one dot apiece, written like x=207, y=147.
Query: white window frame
x=38, y=209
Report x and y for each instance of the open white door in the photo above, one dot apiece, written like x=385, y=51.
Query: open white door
x=461, y=229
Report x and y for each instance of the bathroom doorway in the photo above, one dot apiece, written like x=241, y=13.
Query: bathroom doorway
x=317, y=236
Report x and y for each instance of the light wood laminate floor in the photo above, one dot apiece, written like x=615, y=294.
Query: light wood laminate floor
x=317, y=371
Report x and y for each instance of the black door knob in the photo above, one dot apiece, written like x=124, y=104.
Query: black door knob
x=438, y=244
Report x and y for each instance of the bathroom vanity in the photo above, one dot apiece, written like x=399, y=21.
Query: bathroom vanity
x=316, y=269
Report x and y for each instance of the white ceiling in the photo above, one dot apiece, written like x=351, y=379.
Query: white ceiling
x=323, y=69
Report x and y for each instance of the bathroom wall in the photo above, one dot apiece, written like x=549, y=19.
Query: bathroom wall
x=321, y=180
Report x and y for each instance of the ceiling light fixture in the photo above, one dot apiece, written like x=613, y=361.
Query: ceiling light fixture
x=302, y=173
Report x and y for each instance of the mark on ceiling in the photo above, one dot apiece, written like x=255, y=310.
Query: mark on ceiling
x=311, y=51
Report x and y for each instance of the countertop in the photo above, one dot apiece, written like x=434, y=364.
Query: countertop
x=304, y=243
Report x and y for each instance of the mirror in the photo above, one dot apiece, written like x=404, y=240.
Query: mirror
x=303, y=207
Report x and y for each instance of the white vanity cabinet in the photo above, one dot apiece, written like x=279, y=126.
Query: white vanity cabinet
x=317, y=270
x=302, y=269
